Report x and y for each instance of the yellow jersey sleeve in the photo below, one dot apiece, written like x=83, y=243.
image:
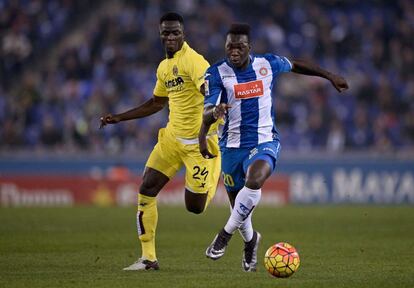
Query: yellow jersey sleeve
x=197, y=66
x=159, y=89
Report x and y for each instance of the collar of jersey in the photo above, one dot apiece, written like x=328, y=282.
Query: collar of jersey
x=181, y=51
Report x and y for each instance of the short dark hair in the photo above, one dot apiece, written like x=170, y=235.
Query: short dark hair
x=239, y=29
x=172, y=16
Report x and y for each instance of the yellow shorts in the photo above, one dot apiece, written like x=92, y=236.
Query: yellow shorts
x=170, y=154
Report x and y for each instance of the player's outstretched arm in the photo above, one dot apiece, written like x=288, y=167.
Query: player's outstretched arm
x=307, y=68
x=150, y=107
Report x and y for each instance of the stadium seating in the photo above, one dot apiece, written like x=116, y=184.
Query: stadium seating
x=109, y=66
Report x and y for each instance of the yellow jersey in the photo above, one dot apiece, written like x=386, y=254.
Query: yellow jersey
x=180, y=78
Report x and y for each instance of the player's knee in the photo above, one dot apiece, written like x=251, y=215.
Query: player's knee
x=148, y=190
x=254, y=183
x=195, y=202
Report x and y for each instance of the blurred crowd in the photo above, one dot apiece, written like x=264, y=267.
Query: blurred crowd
x=108, y=63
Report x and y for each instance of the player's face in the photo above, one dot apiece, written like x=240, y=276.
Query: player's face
x=238, y=50
x=172, y=36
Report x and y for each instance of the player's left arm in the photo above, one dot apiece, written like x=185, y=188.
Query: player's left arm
x=307, y=68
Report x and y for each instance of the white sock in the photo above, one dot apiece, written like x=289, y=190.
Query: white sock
x=246, y=229
x=244, y=204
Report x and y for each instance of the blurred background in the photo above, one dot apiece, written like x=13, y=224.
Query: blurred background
x=64, y=63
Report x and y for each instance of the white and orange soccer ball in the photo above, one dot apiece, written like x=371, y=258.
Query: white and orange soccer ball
x=281, y=260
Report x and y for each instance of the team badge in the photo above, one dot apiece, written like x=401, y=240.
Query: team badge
x=175, y=70
x=263, y=71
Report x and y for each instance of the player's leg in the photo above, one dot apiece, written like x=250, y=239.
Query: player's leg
x=195, y=202
x=233, y=178
x=159, y=169
x=201, y=177
x=259, y=168
x=249, y=196
x=250, y=237
x=147, y=218
x=241, y=215
x=246, y=229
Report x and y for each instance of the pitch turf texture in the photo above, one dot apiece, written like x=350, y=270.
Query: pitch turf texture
x=352, y=246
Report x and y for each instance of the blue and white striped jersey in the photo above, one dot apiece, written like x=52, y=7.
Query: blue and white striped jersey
x=250, y=120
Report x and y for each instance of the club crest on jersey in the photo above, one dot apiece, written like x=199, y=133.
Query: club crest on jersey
x=263, y=71
x=175, y=70
x=248, y=90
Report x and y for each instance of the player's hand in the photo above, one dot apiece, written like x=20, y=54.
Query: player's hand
x=338, y=82
x=108, y=119
x=220, y=110
x=206, y=154
x=204, y=150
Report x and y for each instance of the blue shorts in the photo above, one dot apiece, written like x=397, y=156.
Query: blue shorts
x=236, y=161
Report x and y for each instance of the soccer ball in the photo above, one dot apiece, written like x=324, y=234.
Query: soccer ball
x=281, y=260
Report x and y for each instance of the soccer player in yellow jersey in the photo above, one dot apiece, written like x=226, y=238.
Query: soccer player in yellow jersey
x=180, y=82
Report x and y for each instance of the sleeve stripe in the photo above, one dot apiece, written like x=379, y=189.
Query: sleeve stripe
x=290, y=63
x=218, y=99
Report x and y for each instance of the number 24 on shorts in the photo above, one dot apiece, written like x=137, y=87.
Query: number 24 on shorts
x=202, y=172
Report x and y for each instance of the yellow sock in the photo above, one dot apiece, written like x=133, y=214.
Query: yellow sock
x=147, y=218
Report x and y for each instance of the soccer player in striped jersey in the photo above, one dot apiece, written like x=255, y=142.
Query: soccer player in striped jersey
x=180, y=83
x=238, y=88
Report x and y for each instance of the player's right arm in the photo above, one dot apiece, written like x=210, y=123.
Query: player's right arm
x=208, y=120
x=155, y=104
x=150, y=107
x=212, y=113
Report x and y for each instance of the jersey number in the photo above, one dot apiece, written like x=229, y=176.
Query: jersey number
x=228, y=180
x=200, y=172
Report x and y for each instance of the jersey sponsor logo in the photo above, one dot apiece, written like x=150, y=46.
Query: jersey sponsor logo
x=248, y=89
x=174, y=82
x=263, y=71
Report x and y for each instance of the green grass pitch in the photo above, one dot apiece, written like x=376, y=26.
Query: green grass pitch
x=340, y=246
